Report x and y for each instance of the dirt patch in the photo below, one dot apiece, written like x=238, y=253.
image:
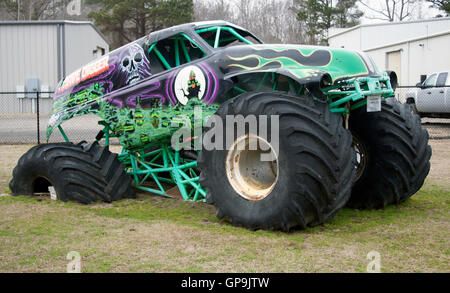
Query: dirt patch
x=9, y=155
x=440, y=162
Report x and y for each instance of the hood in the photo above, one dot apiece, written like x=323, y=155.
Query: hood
x=119, y=68
x=298, y=60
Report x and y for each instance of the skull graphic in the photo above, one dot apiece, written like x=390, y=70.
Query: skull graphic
x=133, y=66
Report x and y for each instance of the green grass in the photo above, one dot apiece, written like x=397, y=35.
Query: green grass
x=153, y=234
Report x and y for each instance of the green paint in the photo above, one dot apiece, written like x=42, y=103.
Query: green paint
x=342, y=63
x=177, y=53
x=161, y=57
x=63, y=133
x=185, y=52
x=224, y=28
x=193, y=42
x=216, y=42
x=181, y=172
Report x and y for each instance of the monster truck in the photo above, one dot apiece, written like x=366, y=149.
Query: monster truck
x=275, y=136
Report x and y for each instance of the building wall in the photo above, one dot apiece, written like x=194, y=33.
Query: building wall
x=365, y=37
x=26, y=51
x=351, y=39
x=433, y=56
x=375, y=36
x=421, y=56
x=423, y=45
x=30, y=50
x=81, y=41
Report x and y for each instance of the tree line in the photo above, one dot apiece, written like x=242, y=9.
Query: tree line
x=275, y=21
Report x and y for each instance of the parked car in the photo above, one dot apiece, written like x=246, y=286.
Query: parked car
x=432, y=97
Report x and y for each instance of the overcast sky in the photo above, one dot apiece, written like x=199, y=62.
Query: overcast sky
x=421, y=10
x=417, y=13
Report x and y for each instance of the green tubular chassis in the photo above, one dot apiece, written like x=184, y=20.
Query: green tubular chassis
x=144, y=165
x=182, y=172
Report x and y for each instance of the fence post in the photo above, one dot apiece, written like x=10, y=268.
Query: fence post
x=37, y=118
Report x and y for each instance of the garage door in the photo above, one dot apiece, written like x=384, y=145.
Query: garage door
x=394, y=62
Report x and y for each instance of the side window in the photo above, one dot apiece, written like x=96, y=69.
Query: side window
x=172, y=52
x=218, y=37
x=442, y=78
x=431, y=81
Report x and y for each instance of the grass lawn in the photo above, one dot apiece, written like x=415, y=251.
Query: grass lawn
x=154, y=234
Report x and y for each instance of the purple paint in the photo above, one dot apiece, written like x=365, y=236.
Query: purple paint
x=128, y=97
x=208, y=82
x=132, y=67
x=169, y=83
x=144, y=95
x=209, y=73
x=104, y=79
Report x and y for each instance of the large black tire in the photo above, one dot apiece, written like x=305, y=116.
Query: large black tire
x=396, y=151
x=412, y=106
x=316, y=165
x=85, y=173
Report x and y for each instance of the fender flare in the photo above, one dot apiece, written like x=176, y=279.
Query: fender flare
x=313, y=80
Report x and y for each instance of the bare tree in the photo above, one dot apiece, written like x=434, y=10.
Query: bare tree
x=272, y=20
x=28, y=9
x=213, y=10
x=43, y=9
x=391, y=10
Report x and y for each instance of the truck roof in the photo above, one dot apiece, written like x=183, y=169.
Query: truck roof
x=183, y=28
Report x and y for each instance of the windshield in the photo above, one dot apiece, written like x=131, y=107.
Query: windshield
x=226, y=36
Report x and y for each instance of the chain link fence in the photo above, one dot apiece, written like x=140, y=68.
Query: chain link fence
x=24, y=116
x=432, y=104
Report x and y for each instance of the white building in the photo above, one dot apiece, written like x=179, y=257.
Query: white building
x=410, y=48
x=44, y=51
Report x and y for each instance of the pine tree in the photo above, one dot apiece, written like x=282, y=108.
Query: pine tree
x=132, y=19
x=318, y=16
x=443, y=5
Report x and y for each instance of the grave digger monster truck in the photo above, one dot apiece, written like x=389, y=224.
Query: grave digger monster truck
x=341, y=137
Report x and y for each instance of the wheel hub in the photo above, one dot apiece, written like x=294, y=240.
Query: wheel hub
x=250, y=176
x=361, y=157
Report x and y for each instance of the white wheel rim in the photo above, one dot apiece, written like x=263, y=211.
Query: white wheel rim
x=251, y=177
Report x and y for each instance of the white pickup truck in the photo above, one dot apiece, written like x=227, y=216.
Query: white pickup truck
x=432, y=97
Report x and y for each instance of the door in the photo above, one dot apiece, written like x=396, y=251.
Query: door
x=434, y=96
x=424, y=102
x=394, y=63
x=442, y=91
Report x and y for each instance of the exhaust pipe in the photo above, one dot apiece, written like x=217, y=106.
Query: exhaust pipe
x=314, y=84
x=393, y=78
